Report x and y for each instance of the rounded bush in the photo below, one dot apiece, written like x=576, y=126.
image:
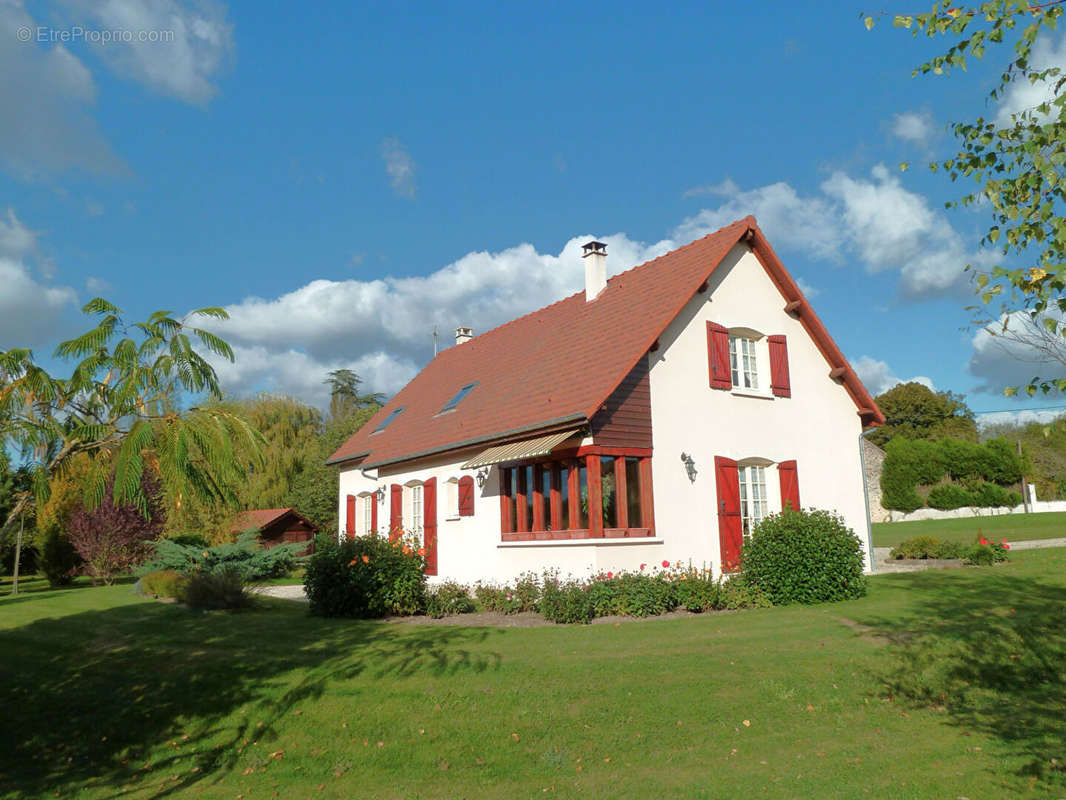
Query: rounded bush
x=947, y=496
x=58, y=560
x=166, y=583
x=366, y=577
x=804, y=557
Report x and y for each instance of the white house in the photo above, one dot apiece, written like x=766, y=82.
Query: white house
x=656, y=416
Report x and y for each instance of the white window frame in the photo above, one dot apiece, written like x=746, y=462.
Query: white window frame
x=451, y=496
x=413, y=510
x=744, y=362
x=754, y=503
x=368, y=514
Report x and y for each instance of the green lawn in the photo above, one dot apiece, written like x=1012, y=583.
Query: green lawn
x=1012, y=527
x=939, y=684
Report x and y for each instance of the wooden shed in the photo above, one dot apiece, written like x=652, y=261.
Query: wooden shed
x=277, y=526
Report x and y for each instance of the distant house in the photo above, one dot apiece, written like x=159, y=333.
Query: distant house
x=656, y=416
x=276, y=526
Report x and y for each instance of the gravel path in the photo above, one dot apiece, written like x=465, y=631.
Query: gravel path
x=295, y=592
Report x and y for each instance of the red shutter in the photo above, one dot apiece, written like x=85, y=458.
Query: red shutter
x=373, y=500
x=779, y=366
x=730, y=535
x=429, y=524
x=790, y=488
x=718, y=356
x=349, y=516
x=466, y=496
x=396, y=516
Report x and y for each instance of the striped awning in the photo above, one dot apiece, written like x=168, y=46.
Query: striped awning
x=517, y=451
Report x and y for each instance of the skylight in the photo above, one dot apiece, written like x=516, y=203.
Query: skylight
x=451, y=404
x=385, y=422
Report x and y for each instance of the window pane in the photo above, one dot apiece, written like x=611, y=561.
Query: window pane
x=512, y=487
x=583, y=493
x=529, y=495
x=633, y=492
x=564, y=491
x=546, y=495
x=610, y=507
x=733, y=360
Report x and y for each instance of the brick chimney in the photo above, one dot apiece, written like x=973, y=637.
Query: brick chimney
x=595, y=256
x=463, y=335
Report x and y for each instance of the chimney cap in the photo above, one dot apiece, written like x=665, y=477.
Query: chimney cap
x=594, y=247
x=463, y=334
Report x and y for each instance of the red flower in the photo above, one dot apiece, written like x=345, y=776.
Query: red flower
x=352, y=563
x=983, y=540
x=642, y=566
x=1004, y=541
x=366, y=559
x=665, y=563
x=610, y=575
x=1006, y=546
x=421, y=551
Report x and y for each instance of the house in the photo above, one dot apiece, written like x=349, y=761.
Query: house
x=276, y=526
x=656, y=416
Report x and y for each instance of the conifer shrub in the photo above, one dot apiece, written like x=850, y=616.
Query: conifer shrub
x=57, y=559
x=807, y=557
x=250, y=560
x=217, y=590
x=947, y=496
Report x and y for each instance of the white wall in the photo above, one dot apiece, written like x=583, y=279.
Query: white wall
x=818, y=425
x=1038, y=507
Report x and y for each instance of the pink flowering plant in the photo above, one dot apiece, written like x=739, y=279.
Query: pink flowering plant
x=986, y=552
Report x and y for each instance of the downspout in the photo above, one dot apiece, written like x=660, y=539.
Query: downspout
x=866, y=496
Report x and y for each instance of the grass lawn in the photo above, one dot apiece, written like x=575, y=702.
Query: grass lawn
x=939, y=684
x=1012, y=527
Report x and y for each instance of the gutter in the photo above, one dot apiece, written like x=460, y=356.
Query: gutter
x=551, y=423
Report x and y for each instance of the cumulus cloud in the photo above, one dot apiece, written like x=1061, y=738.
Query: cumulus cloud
x=1023, y=95
x=47, y=94
x=875, y=220
x=383, y=329
x=878, y=377
x=175, y=48
x=1013, y=353
x=916, y=127
x=400, y=167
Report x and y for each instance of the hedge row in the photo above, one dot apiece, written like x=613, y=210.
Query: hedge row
x=981, y=471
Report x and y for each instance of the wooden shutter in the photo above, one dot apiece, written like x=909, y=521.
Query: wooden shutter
x=466, y=496
x=349, y=516
x=790, y=488
x=396, y=515
x=373, y=500
x=730, y=535
x=779, y=383
x=429, y=524
x=718, y=356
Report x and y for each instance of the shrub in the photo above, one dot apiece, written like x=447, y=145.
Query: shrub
x=947, y=496
x=565, y=602
x=58, y=561
x=163, y=583
x=735, y=593
x=365, y=577
x=221, y=589
x=190, y=540
x=804, y=557
x=918, y=547
x=986, y=553
x=698, y=595
x=526, y=592
x=251, y=561
x=448, y=598
x=495, y=598
x=641, y=595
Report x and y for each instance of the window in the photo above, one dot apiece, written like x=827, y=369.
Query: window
x=743, y=362
x=451, y=493
x=752, y=497
x=451, y=404
x=368, y=514
x=413, y=514
x=385, y=422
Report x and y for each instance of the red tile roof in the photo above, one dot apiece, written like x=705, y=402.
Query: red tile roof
x=561, y=363
x=261, y=518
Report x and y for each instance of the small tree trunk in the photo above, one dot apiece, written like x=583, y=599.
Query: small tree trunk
x=18, y=556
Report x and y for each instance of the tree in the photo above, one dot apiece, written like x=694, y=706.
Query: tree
x=915, y=411
x=112, y=539
x=344, y=394
x=120, y=410
x=1018, y=161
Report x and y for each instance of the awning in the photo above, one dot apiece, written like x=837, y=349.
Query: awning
x=516, y=451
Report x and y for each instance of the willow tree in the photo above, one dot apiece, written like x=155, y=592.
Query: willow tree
x=1017, y=157
x=121, y=408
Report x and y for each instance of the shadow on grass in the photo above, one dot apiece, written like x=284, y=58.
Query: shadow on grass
x=88, y=697
x=989, y=649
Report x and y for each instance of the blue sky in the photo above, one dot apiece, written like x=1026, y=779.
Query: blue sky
x=344, y=177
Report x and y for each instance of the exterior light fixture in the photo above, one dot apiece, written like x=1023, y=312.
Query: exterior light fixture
x=690, y=467
x=380, y=494
x=482, y=476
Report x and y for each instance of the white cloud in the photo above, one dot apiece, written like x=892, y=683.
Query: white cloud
x=993, y=418
x=382, y=329
x=809, y=291
x=97, y=286
x=878, y=377
x=29, y=310
x=1014, y=355
x=875, y=220
x=45, y=95
x=175, y=48
x=916, y=127
x=400, y=167
x=1024, y=95
x=16, y=240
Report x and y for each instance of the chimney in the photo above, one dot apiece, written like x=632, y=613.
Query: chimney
x=463, y=335
x=595, y=255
